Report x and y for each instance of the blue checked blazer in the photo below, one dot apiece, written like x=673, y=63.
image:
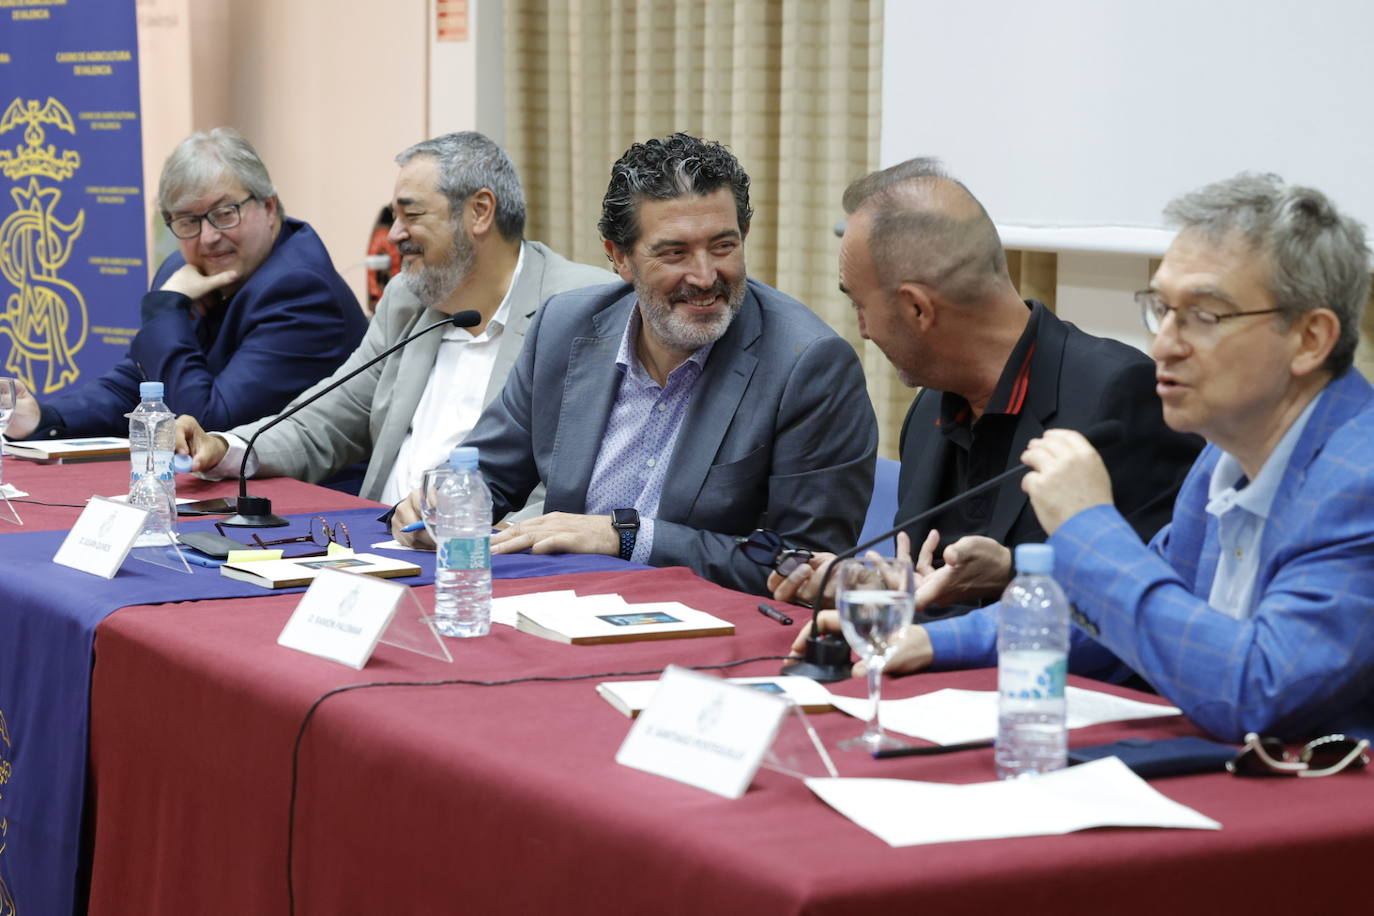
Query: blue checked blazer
x=1302, y=664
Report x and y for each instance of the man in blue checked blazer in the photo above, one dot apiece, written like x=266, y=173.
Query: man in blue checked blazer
x=1253, y=610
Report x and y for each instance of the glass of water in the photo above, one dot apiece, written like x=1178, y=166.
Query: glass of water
x=876, y=598
x=430, y=482
x=9, y=397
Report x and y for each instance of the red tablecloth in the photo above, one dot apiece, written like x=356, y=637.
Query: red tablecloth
x=72, y=484
x=463, y=799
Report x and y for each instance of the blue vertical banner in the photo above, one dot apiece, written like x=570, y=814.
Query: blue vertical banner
x=72, y=272
x=71, y=189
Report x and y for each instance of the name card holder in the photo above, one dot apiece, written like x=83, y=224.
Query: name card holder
x=161, y=549
x=342, y=616
x=7, y=511
x=704, y=731
x=102, y=537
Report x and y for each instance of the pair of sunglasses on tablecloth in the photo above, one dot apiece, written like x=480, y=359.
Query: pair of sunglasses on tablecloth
x=1325, y=756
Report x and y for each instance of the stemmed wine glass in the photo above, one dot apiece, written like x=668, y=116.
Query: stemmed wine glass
x=9, y=397
x=876, y=597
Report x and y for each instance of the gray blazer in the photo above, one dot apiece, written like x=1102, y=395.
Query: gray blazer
x=780, y=431
x=368, y=417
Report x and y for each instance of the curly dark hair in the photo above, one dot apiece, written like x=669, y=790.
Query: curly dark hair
x=666, y=169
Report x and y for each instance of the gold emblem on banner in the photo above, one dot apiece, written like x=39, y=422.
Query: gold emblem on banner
x=45, y=318
x=7, y=907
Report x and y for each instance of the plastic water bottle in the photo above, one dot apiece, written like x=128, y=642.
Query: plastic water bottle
x=152, y=433
x=151, y=426
x=1032, y=662
x=462, y=538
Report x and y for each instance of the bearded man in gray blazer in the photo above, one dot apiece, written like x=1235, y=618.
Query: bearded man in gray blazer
x=671, y=413
x=460, y=217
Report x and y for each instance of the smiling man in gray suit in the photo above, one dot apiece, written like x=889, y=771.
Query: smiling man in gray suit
x=460, y=218
x=686, y=406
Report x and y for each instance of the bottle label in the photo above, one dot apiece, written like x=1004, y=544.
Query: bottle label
x=1032, y=675
x=465, y=553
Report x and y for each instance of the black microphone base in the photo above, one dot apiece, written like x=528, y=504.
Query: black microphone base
x=254, y=512
x=826, y=660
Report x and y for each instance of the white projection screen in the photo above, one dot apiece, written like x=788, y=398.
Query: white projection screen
x=1074, y=121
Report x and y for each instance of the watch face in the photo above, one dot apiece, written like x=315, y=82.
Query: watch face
x=624, y=518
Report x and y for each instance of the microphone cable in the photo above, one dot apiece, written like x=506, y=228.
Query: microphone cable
x=447, y=682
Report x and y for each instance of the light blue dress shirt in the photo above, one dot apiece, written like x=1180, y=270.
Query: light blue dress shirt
x=1241, y=510
x=640, y=434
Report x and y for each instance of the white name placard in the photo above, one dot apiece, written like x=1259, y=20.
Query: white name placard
x=703, y=731
x=341, y=617
x=101, y=537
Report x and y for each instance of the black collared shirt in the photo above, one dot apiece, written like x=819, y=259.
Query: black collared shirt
x=979, y=448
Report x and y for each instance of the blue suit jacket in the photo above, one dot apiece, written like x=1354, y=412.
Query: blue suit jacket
x=1303, y=663
x=780, y=431
x=290, y=324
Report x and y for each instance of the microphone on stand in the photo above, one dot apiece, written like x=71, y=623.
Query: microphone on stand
x=256, y=511
x=827, y=655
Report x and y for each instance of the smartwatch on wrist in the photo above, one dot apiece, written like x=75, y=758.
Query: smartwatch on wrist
x=626, y=524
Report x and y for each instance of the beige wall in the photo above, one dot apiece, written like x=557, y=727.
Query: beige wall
x=327, y=90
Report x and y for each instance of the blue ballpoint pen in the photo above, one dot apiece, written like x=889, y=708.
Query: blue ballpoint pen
x=414, y=526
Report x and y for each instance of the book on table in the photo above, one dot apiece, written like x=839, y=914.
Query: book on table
x=69, y=449
x=302, y=570
x=587, y=623
x=632, y=697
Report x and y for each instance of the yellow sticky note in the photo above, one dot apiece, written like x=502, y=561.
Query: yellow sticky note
x=338, y=550
x=252, y=556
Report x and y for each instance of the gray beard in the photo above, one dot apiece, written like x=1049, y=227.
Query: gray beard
x=433, y=285
x=682, y=333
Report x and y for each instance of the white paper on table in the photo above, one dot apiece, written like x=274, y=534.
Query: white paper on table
x=952, y=716
x=1103, y=793
x=394, y=544
x=11, y=491
x=506, y=610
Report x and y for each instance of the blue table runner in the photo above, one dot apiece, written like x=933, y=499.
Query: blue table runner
x=48, y=617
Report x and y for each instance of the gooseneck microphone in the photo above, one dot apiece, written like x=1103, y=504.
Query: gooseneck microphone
x=256, y=511
x=827, y=655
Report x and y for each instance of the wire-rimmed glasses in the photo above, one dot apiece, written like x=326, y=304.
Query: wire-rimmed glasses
x=1325, y=756
x=1188, y=319
x=321, y=533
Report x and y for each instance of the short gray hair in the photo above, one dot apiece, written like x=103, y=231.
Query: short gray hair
x=203, y=159
x=928, y=227
x=468, y=162
x=1317, y=257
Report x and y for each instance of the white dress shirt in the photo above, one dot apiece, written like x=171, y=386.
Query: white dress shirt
x=448, y=408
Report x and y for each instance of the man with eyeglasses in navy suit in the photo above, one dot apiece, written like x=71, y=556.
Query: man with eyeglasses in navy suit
x=246, y=314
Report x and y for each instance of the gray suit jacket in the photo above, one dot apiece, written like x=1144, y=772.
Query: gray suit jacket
x=368, y=417
x=780, y=432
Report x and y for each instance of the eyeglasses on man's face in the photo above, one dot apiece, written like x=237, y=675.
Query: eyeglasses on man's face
x=1322, y=757
x=222, y=217
x=1187, y=319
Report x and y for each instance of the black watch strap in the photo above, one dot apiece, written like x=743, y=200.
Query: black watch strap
x=627, y=542
x=626, y=524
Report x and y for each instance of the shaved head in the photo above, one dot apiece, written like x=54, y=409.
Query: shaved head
x=925, y=227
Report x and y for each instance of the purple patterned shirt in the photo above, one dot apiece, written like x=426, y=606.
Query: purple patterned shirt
x=639, y=437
